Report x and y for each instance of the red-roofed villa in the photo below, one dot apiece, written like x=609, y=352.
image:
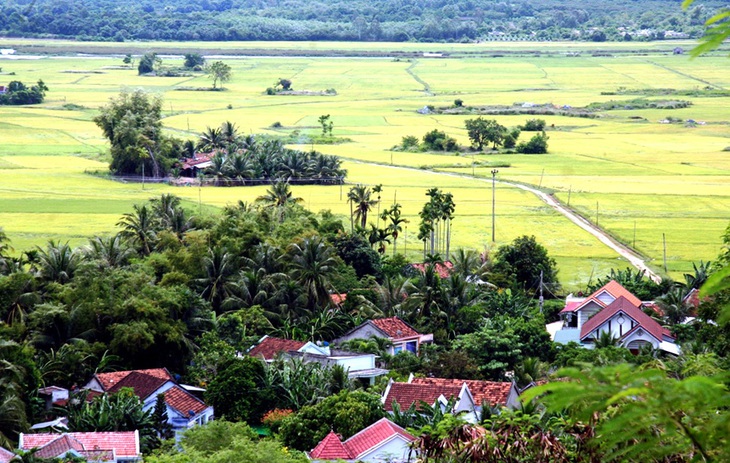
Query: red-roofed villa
x=398, y=332
x=184, y=410
x=612, y=309
x=407, y=394
x=491, y=393
x=382, y=441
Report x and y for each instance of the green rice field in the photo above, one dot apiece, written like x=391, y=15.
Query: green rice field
x=647, y=180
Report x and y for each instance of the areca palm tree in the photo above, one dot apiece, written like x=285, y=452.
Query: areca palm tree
x=312, y=264
x=139, y=228
x=378, y=236
x=395, y=225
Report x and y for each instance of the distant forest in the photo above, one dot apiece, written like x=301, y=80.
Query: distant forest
x=355, y=20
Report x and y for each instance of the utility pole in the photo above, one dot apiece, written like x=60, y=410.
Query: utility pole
x=542, y=299
x=570, y=190
x=664, y=239
x=494, y=175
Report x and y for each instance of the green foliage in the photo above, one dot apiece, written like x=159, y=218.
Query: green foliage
x=223, y=442
x=482, y=131
x=219, y=72
x=193, y=60
x=18, y=93
x=523, y=260
x=533, y=125
x=238, y=392
x=409, y=142
x=636, y=282
x=494, y=350
x=132, y=124
x=346, y=413
x=149, y=63
x=116, y=412
x=437, y=140
x=536, y=145
x=644, y=415
x=355, y=251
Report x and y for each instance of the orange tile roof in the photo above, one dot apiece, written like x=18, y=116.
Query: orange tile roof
x=491, y=392
x=183, y=401
x=442, y=269
x=107, y=380
x=407, y=394
x=59, y=446
x=338, y=299
x=125, y=444
x=6, y=455
x=270, y=347
x=395, y=328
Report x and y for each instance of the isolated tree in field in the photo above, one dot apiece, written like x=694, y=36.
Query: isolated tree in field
x=326, y=123
x=534, y=125
x=483, y=131
x=193, y=59
x=132, y=124
x=219, y=72
x=148, y=63
x=284, y=84
x=536, y=145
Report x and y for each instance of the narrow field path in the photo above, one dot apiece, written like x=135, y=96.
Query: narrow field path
x=426, y=87
x=621, y=249
x=684, y=74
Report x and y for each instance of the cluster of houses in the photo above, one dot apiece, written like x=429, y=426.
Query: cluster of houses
x=611, y=309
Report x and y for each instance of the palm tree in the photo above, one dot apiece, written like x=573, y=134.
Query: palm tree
x=219, y=267
x=312, y=264
x=218, y=168
x=466, y=262
x=378, y=236
x=279, y=196
x=606, y=339
x=359, y=196
x=57, y=262
x=674, y=306
x=111, y=251
x=4, y=249
x=392, y=293
x=211, y=139
x=139, y=228
x=701, y=272
x=378, y=189
x=229, y=132
x=240, y=167
x=396, y=221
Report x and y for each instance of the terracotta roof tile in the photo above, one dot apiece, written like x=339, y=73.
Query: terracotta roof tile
x=406, y=394
x=107, y=380
x=183, y=401
x=270, y=347
x=373, y=435
x=442, y=269
x=59, y=446
x=142, y=383
x=6, y=455
x=395, y=327
x=124, y=444
x=330, y=448
x=338, y=299
x=491, y=392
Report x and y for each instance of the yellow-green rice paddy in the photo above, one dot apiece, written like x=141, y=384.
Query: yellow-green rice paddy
x=648, y=181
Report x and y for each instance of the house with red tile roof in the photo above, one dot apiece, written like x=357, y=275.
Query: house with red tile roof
x=6, y=455
x=613, y=309
x=111, y=447
x=381, y=442
x=407, y=394
x=443, y=269
x=184, y=410
x=357, y=365
x=402, y=335
x=491, y=393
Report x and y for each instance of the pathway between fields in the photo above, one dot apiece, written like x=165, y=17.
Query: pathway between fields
x=623, y=250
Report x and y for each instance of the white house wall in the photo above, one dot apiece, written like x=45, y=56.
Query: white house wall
x=587, y=312
x=394, y=450
x=617, y=329
x=364, y=332
x=606, y=298
x=644, y=336
x=360, y=362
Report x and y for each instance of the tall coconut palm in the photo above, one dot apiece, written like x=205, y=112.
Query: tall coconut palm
x=229, y=133
x=359, y=197
x=312, y=264
x=57, y=262
x=219, y=168
x=279, y=196
x=219, y=268
x=211, y=139
x=139, y=228
x=112, y=251
x=466, y=262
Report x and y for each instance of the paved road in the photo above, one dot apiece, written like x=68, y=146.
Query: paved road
x=623, y=250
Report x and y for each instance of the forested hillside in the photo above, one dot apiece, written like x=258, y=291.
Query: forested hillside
x=379, y=20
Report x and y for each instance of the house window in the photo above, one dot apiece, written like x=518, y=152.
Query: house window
x=397, y=349
x=412, y=346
